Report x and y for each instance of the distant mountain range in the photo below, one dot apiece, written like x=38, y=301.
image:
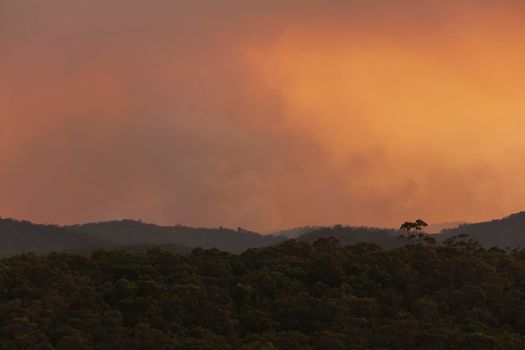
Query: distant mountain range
x=135, y=232
x=503, y=233
x=23, y=236
x=296, y=232
x=347, y=235
x=437, y=228
x=508, y=232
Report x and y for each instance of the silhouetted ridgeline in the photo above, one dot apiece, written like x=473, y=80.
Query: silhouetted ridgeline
x=135, y=232
x=297, y=232
x=348, y=235
x=437, y=228
x=506, y=232
x=502, y=233
x=23, y=236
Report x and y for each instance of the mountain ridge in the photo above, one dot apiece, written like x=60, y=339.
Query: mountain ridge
x=137, y=232
x=19, y=236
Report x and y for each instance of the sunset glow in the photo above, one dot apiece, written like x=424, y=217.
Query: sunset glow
x=263, y=116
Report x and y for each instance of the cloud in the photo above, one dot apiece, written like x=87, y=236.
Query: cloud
x=262, y=115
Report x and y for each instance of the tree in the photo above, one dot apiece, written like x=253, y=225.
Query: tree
x=410, y=226
x=419, y=238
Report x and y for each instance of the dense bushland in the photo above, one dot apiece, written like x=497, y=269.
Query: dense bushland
x=297, y=295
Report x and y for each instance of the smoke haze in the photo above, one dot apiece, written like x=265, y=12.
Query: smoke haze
x=261, y=114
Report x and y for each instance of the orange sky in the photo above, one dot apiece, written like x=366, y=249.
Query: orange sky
x=261, y=114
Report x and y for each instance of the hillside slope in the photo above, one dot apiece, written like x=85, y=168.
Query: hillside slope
x=348, y=235
x=505, y=232
x=23, y=236
x=134, y=232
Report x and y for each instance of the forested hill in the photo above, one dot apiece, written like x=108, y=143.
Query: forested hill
x=297, y=232
x=506, y=232
x=348, y=235
x=298, y=295
x=135, y=232
x=24, y=236
x=502, y=233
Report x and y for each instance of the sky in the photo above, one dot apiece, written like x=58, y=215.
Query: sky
x=261, y=114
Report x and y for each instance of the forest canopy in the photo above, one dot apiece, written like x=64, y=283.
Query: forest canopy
x=296, y=295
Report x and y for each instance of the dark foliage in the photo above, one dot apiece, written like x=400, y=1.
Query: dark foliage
x=297, y=295
x=132, y=248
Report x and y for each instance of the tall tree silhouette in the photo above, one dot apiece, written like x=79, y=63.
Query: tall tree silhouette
x=418, y=237
x=410, y=226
